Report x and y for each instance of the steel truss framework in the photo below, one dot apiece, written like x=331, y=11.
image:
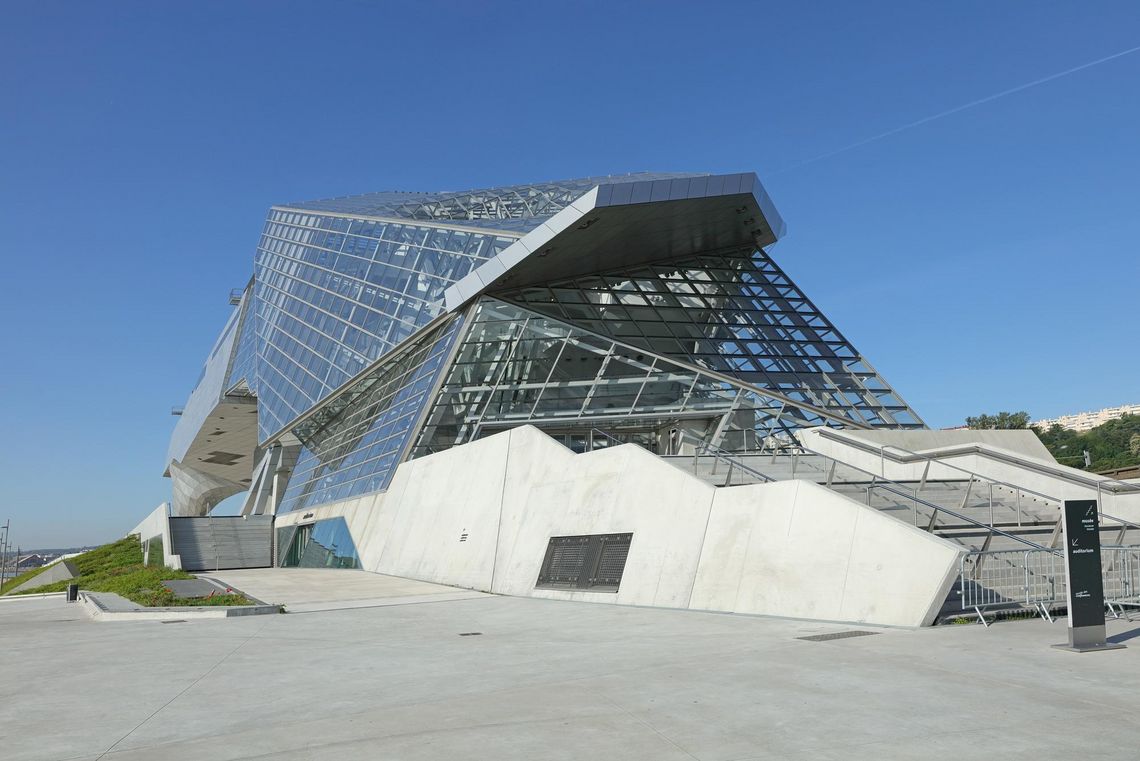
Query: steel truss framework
x=515, y=366
x=518, y=366
x=360, y=358
x=734, y=312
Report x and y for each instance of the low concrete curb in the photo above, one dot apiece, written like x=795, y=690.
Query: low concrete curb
x=9, y=597
x=107, y=606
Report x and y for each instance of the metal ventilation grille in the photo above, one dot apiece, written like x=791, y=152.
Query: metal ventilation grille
x=593, y=562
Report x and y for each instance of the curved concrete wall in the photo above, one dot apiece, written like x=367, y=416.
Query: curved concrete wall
x=480, y=516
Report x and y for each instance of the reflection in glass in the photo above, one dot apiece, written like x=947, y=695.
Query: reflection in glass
x=332, y=294
x=324, y=544
x=735, y=313
x=517, y=366
x=352, y=444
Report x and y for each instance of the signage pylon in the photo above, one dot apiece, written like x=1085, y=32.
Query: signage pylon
x=1080, y=521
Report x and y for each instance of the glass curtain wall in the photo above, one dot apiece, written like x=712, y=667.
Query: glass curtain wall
x=517, y=366
x=242, y=363
x=352, y=445
x=334, y=293
x=736, y=313
x=324, y=544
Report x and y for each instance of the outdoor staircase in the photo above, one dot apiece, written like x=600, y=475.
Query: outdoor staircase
x=933, y=506
x=1006, y=528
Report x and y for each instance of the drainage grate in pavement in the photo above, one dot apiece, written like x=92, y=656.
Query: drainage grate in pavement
x=174, y=621
x=470, y=634
x=836, y=635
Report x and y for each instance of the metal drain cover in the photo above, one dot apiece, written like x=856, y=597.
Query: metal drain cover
x=836, y=635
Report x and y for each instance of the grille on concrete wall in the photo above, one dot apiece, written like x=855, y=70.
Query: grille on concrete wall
x=593, y=562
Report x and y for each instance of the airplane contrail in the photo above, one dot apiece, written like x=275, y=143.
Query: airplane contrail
x=956, y=109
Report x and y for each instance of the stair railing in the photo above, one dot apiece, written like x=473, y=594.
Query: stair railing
x=700, y=447
x=878, y=481
x=906, y=456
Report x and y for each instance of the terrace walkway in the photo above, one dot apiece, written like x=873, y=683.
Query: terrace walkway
x=492, y=677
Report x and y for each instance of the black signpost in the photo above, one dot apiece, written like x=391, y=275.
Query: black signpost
x=1081, y=524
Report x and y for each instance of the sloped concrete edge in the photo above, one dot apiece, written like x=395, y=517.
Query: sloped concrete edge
x=107, y=606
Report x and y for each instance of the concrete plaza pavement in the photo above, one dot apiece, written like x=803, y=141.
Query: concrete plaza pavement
x=408, y=678
x=308, y=590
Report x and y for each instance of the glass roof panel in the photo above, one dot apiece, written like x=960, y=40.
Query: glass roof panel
x=513, y=208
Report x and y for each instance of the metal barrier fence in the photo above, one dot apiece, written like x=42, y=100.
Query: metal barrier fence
x=1036, y=579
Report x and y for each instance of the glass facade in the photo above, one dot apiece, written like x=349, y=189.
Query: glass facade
x=515, y=208
x=324, y=544
x=334, y=294
x=345, y=338
x=735, y=313
x=243, y=367
x=517, y=366
x=352, y=445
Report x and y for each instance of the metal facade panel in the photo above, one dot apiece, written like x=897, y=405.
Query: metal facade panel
x=213, y=543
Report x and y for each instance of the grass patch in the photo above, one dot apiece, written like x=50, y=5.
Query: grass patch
x=118, y=567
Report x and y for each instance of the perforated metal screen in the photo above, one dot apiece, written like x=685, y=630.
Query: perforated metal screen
x=593, y=562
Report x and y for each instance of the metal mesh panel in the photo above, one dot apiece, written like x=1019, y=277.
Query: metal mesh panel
x=566, y=561
x=593, y=562
x=611, y=563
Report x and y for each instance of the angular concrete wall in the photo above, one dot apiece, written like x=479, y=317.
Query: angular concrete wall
x=794, y=548
x=481, y=515
x=61, y=570
x=158, y=524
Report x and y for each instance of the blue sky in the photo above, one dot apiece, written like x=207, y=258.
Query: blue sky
x=982, y=261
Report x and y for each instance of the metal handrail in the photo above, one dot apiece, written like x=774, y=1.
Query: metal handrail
x=719, y=454
x=929, y=459
x=877, y=481
x=726, y=457
x=914, y=456
x=615, y=440
x=883, y=483
x=912, y=495
x=911, y=456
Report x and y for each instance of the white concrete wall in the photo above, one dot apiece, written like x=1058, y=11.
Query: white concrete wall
x=155, y=524
x=481, y=515
x=1022, y=441
x=794, y=548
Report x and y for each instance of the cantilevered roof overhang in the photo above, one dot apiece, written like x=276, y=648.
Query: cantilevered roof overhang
x=623, y=223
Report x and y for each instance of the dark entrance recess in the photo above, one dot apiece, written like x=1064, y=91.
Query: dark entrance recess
x=594, y=562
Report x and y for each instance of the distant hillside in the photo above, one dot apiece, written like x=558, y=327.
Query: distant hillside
x=1115, y=444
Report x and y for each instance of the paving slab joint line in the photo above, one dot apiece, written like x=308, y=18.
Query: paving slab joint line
x=184, y=690
x=649, y=726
